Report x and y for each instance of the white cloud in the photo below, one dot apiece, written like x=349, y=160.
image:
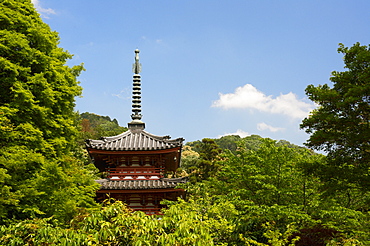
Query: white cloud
x=152, y=41
x=239, y=132
x=44, y=12
x=248, y=97
x=123, y=94
x=263, y=126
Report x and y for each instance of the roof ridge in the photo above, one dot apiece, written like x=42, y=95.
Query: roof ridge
x=166, y=137
x=135, y=140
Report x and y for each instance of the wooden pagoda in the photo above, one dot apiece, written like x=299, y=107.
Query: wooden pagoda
x=135, y=162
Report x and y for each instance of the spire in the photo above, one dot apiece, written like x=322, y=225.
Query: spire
x=136, y=123
x=136, y=67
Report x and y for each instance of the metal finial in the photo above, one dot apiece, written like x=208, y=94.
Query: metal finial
x=136, y=68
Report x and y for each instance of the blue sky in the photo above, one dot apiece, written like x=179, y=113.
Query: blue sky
x=209, y=68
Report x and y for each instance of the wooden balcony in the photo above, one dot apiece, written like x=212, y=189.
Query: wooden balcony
x=135, y=173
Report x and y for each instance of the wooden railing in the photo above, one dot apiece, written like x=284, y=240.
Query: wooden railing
x=127, y=173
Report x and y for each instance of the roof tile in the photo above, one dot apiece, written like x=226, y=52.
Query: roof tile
x=107, y=184
x=134, y=140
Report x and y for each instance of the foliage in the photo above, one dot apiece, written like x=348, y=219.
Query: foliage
x=206, y=165
x=37, y=90
x=232, y=143
x=189, y=158
x=270, y=186
x=94, y=126
x=116, y=225
x=269, y=175
x=340, y=125
x=226, y=209
x=228, y=142
x=316, y=236
x=40, y=173
x=275, y=237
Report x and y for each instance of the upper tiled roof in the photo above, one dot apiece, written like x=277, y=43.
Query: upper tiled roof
x=107, y=184
x=134, y=140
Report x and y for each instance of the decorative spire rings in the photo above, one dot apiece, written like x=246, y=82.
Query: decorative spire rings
x=136, y=95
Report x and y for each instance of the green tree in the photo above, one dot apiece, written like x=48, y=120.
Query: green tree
x=340, y=125
x=270, y=175
x=207, y=165
x=37, y=122
x=35, y=82
x=228, y=142
x=189, y=158
x=93, y=126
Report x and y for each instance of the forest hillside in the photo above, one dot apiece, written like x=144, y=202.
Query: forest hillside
x=93, y=126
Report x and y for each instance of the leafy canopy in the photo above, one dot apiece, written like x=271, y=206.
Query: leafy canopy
x=94, y=126
x=340, y=125
x=39, y=172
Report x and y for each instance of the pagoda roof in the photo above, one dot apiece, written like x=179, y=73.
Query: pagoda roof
x=134, y=140
x=164, y=183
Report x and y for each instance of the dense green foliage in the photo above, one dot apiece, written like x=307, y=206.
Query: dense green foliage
x=272, y=193
x=230, y=142
x=257, y=197
x=340, y=125
x=40, y=175
x=116, y=225
x=202, y=165
x=94, y=126
x=200, y=158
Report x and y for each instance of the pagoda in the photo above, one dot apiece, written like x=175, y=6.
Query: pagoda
x=137, y=162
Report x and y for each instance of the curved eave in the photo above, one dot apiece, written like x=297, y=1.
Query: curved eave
x=134, y=141
x=135, y=152
x=142, y=191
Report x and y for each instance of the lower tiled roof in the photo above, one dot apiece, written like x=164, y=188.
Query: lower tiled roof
x=164, y=183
